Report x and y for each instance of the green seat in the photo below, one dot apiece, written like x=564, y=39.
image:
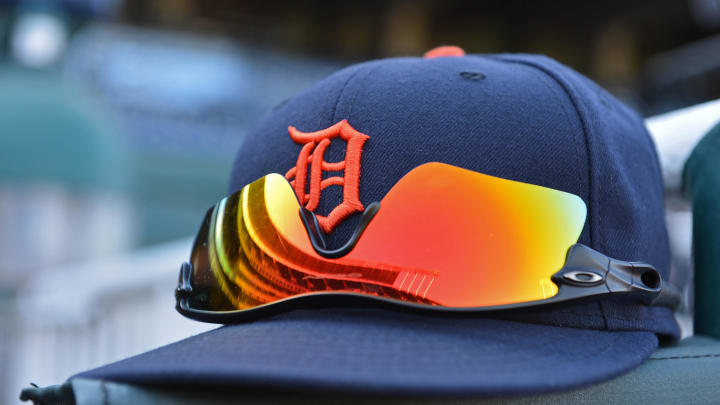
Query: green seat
x=702, y=186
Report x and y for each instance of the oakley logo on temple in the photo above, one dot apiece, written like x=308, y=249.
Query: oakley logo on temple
x=311, y=165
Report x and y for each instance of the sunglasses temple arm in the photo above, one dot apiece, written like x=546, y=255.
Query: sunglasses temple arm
x=588, y=272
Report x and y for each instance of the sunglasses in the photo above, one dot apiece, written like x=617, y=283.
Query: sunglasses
x=442, y=239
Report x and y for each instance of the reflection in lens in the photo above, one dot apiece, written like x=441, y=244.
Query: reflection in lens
x=210, y=288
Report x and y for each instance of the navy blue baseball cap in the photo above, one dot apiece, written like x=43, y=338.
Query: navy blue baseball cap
x=520, y=117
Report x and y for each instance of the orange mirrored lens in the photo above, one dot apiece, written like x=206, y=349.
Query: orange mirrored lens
x=443, y=236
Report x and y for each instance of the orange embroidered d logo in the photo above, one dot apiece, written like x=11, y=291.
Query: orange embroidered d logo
x=312, y=155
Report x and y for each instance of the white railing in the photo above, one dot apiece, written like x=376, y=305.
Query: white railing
x=76, y=317
x=676, y=134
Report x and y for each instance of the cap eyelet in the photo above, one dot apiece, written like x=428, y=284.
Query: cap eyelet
x=475, y=76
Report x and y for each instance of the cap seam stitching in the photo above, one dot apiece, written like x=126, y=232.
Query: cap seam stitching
x=368, y=70
x=594, y=208
x=565, y=114
x=609, y=317
x=581, y=117
x=342, y=91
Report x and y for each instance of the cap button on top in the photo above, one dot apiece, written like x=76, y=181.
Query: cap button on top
x=443, y=51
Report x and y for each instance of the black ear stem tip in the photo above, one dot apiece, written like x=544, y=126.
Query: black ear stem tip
x=184, y=288
x=61, y=394
x=669, y=296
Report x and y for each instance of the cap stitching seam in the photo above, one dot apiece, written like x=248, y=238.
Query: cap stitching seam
x=613, y=317
x=368, y=70
x=565, y=113
x=342, y=91
x=567, y=88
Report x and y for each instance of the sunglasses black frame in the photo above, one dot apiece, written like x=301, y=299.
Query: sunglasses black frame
x=587, y=274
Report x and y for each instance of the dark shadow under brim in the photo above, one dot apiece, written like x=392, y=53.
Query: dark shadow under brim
x=387, y=353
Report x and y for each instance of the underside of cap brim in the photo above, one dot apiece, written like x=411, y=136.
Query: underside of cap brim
x=389, y=353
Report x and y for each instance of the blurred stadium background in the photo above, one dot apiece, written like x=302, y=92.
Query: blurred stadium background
x=119, y=120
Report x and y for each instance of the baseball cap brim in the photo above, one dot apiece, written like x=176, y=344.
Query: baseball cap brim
x=374, y=351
